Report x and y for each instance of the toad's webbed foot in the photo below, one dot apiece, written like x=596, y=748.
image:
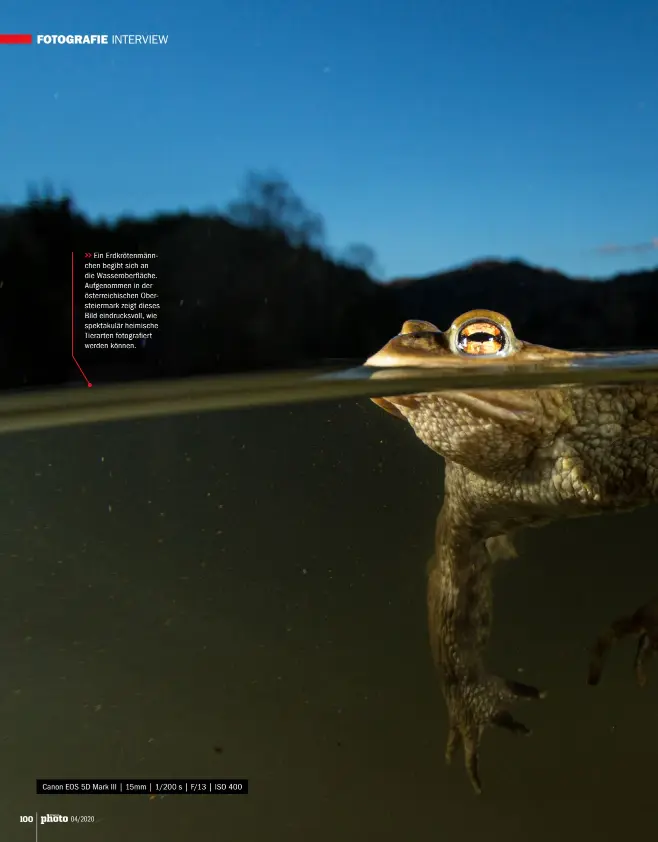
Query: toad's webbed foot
x=644, y=624
x=472, y=706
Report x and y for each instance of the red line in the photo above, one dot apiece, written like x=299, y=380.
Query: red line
x=15, y=39
x=73, y=320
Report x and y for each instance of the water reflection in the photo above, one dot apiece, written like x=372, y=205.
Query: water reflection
x=76, y=404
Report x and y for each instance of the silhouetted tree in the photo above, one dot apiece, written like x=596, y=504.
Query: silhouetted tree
x=360, y=256
x=269, y=204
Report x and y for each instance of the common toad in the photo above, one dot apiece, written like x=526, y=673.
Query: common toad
x=514, y=458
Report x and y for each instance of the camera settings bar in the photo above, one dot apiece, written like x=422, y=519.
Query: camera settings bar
x=143, y=786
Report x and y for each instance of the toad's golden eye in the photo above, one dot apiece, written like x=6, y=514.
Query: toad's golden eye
x=481, y=338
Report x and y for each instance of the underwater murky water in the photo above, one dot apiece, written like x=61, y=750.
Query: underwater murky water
x=242, y=594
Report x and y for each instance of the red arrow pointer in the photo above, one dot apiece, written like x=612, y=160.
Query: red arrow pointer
x=73, y=320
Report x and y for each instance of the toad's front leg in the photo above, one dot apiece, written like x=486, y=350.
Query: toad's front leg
x=641, y=472
x=642, y=624
x=459, y=607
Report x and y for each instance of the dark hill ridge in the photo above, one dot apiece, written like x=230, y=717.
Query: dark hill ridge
x=544, y=305
x=241, y=296
x=488, y=265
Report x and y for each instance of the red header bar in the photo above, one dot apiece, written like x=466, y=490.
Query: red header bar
x=15, y=39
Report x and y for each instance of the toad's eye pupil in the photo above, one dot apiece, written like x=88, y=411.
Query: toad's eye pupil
x=481, y=339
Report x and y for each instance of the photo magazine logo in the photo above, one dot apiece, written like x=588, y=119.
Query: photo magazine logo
x=96, y=39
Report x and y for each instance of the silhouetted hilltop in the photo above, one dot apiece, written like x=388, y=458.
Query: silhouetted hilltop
x=544, y=305
x=255, y=288
x=249, y=289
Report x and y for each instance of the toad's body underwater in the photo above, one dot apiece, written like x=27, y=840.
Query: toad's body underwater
x=514, y=458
